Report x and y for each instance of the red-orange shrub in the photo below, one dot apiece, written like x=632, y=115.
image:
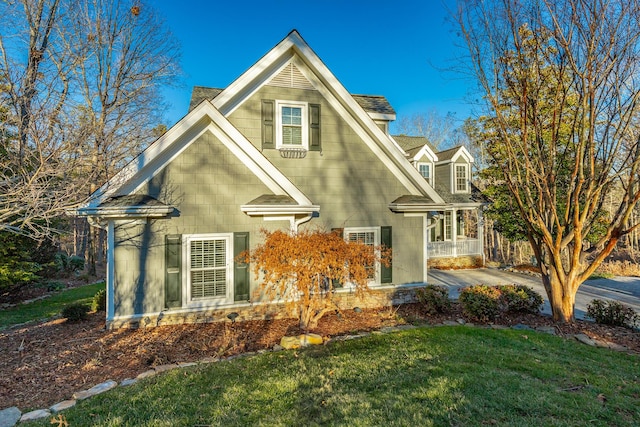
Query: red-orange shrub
x=302, y=269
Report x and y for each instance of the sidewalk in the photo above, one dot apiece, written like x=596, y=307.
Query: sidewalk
x=623, y=289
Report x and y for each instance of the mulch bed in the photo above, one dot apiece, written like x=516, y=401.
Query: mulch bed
x=43, y=364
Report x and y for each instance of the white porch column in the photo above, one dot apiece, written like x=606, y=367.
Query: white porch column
x=454, y=231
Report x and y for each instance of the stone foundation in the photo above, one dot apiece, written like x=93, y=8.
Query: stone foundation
x=457, y=263
x=344, y=300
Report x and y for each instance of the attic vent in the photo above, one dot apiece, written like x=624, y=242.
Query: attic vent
x=291, y=77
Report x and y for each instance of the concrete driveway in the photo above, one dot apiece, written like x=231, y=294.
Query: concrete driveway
x=623, y=289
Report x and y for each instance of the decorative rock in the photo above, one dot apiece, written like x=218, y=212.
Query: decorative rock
x=461, y=321
x=278, y=347
x=9, y=417
x=450, y=323
x=522, y=327
x=551, y=330
x=210, y=360
x=146, y=374
x=584, y=339
x=35, y=415
x=499, y=327
x=100, y=388
x=128, y=381
x=186, y=364
x=65, y=404
x=163, y=368
x=310, y=339
x=290, y=343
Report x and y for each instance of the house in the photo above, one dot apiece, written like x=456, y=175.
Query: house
x=283, y=146
x=457, y=230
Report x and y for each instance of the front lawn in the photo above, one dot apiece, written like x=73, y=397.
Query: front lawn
x=429, y=376
x=48, y=307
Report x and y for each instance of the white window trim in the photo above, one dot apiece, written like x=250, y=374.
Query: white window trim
x=430, y=179
x=454, y=178
x=189, y=302
x=305, y=123
x=376, y=242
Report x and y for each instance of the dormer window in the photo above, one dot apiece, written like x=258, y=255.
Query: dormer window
x=425, y=170
x=292, y=128
x=461, y=178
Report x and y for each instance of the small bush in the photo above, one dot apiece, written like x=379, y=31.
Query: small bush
x=76, y=263
x=519, y=298
x=480, y=302
x=99, y=302
x=612, y=313
x=434, y=298
x=484, y=303
x=75, y=312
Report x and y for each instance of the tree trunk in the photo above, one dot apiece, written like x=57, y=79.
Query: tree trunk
x=561, y=298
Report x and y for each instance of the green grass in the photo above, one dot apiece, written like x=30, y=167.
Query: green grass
x=48, y=307
x=432, y=376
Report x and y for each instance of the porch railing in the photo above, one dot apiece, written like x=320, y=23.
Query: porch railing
x=452, y=249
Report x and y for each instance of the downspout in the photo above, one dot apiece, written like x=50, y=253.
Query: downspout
x=295, y=223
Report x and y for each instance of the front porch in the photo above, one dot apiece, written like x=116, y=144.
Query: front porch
x=455, y=233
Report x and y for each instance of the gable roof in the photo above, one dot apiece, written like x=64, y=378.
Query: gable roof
x=200, y=93
x=452, y=154
x=211, y=116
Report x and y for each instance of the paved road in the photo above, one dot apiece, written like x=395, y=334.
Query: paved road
x=623, y=289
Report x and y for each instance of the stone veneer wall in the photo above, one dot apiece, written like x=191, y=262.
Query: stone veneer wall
x=345, y=300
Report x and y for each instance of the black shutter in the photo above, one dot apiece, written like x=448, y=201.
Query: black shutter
x=268, y=124
x=386, y=275
x=241, y=274
x=314, y=127
x=173, y=272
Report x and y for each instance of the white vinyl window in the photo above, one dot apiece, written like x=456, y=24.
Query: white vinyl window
x=292, y=129
x=209, y=266
x=370, y=236
x=461, y=178
x=425, y=171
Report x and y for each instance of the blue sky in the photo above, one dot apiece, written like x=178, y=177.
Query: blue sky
x=400, y=49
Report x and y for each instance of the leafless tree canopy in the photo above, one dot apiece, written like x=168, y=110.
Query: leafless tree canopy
x=78, y=97
x=561, y=84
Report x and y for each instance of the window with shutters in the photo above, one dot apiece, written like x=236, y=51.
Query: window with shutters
x=292, y=125
x=370, y=236
x=209, y=264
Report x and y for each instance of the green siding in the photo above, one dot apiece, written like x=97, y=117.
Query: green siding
x=207, y=184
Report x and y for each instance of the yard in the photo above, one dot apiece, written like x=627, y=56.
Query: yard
x=44, y=363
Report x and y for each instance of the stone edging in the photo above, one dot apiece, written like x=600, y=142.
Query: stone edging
x=11, y=416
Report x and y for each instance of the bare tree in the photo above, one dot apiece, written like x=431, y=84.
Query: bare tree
x=561, y=84
x=437, y=128
x=83, y=102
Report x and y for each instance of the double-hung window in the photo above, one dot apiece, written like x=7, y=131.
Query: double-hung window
x=209, y=267
x=461, y=178
x=425, y=171
x=369, y=236
x=292, y=130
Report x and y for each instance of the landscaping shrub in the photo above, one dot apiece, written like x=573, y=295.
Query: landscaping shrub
x=76, y=263
x=99, y=302
x=75, y=312
x=68, y=264
x=612, y=313
x=519, y=298
x=480, y=302
x=434, y=298
x=484, y=303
